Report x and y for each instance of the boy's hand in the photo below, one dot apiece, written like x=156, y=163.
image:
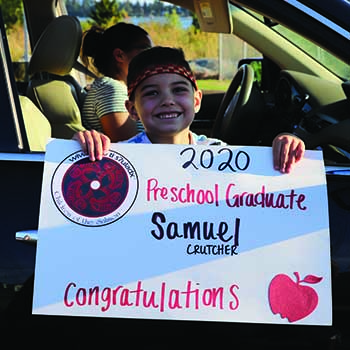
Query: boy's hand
x=93, y=143
x=287, y=150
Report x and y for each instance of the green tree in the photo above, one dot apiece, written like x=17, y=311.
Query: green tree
x=86, y=6
x=106, y=13
x=127, y=7
x=12, y=12
x=195, y=22
x=138, y=9
x=173, y=19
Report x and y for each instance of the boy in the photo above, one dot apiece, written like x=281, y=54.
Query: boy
x=163, y=94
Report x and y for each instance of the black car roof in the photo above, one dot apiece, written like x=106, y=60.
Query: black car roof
x=337, y=11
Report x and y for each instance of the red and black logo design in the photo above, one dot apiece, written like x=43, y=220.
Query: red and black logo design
x=94, y=193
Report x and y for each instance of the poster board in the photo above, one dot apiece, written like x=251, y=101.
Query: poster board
x=183, y=232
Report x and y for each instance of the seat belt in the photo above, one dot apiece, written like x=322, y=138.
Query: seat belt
x=81, y=68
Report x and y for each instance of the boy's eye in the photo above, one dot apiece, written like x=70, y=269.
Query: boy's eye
x=181, y=88
x=150, y=92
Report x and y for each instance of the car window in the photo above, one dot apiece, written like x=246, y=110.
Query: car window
x=12, y=132
x=20, y=51
x=327, y=59
x=214, y=65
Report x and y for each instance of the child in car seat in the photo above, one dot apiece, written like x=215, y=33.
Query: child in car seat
x=164, y=95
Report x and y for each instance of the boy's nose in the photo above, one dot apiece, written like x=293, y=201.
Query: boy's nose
x=167, y=98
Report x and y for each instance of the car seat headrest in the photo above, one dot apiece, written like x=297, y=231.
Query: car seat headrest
x=58, y=47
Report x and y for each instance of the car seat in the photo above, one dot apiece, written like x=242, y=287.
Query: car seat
x=37, y=127
x=52, y=87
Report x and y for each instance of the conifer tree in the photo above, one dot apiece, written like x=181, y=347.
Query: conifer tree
x=106, y=13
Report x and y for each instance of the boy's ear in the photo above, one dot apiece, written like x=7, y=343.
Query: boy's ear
x=130, y=106
x=197, y=100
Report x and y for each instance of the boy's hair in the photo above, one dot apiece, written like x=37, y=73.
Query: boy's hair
x=157, y=60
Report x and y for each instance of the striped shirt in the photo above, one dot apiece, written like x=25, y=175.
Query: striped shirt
x=105, y=96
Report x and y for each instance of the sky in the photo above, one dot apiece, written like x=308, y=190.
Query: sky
x=141, y=1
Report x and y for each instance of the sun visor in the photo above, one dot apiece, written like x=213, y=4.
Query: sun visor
x=213, y=16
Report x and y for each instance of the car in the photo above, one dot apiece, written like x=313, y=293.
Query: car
x=299, y=83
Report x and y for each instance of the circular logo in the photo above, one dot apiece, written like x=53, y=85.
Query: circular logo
x=94, y=193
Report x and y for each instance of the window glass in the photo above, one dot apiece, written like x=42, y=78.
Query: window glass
x=12, y=138
x=327, y=59
x=18, y=42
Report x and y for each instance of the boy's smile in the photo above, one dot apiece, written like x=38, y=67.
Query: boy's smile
x=168, y=116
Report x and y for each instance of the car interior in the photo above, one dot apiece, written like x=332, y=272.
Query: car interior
x=37, y=125
x=51, y=86
x=288, y=96
x=243, y=116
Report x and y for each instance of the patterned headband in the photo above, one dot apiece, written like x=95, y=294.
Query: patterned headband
x=159, y=69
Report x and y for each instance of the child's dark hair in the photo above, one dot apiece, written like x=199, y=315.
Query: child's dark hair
x=100, y=43
x=148, y=62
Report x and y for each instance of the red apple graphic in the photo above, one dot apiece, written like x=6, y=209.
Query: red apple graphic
x=291, y=299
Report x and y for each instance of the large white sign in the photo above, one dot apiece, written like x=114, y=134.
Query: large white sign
x=183, y=232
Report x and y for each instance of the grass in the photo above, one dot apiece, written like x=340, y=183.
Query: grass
x=220, y=85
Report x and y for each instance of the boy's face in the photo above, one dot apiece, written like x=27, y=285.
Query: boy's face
x=165, y=103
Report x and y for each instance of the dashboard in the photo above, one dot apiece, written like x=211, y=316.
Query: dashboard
x=317, y=111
